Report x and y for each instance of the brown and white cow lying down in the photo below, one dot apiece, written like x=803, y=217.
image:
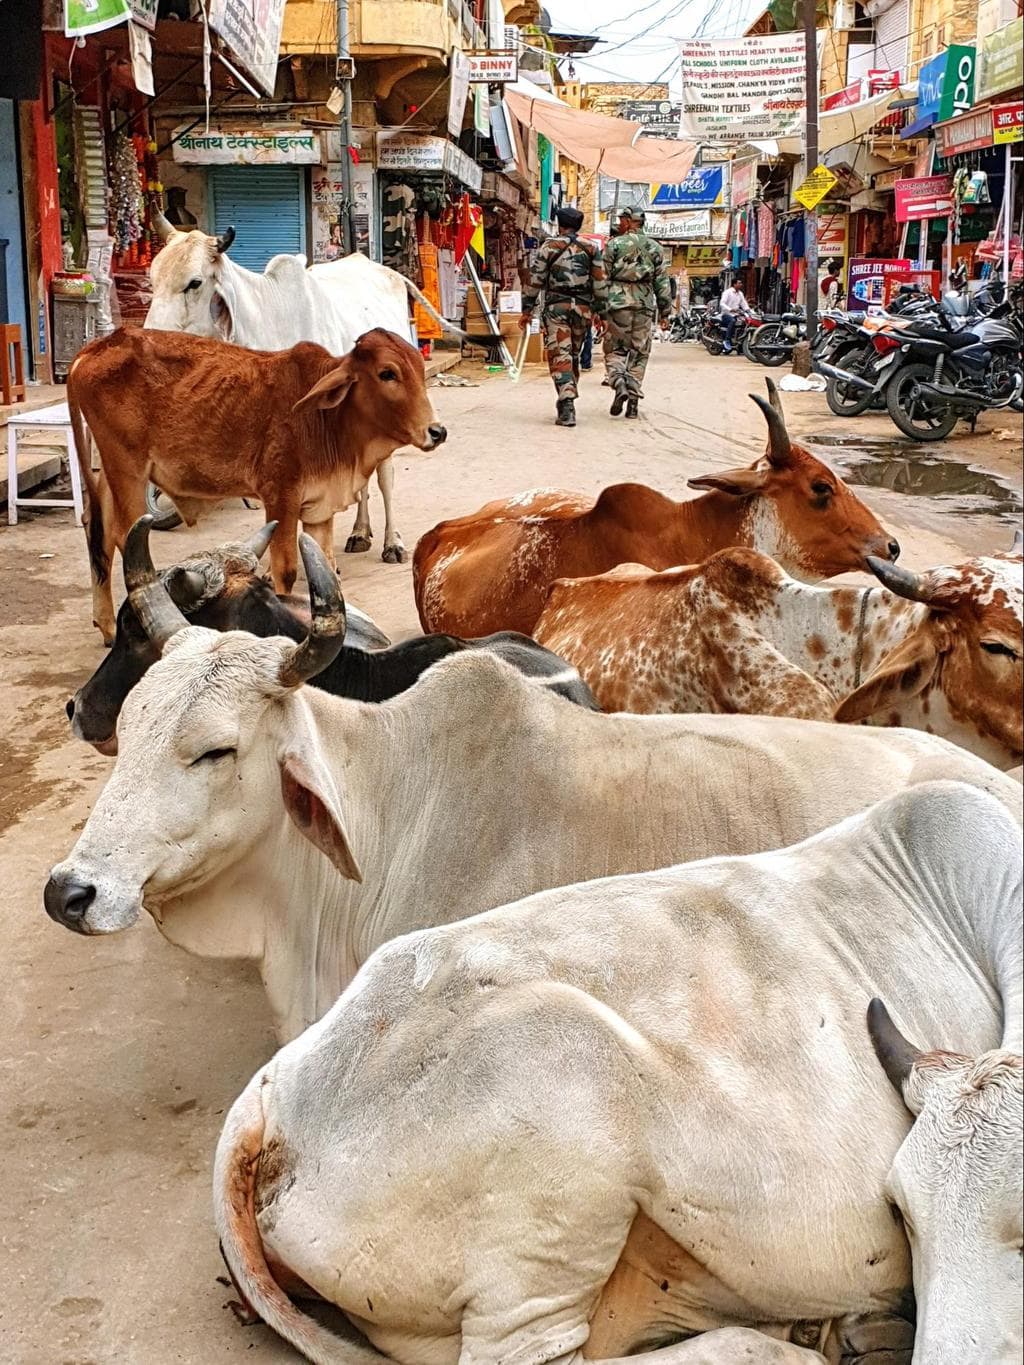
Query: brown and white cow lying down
x=492, y=570
x=939, y=652
x=300, y=429
x=598, y=1120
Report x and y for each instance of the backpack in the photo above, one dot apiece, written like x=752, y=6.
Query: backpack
x=633, y=266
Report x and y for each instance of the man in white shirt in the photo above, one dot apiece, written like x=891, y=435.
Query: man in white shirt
x=732, y=303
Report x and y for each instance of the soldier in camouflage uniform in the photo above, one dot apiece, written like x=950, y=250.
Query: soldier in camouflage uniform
x=638, y=287
x=571, y=274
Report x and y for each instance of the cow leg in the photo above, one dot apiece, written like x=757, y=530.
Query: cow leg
x=394, y=550
x=323, y=533
x=725, y=1346
x=118, y=512
x=284, y=556
x=362, y=533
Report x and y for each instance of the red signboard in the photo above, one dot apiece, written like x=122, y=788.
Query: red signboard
x=866, y=279
x=1008, y=122
x=968, y=133
x=924, y=197
x=879, y=81
x=928, y=280
x=841, y=98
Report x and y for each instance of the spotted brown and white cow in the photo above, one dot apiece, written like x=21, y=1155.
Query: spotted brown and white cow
x=491, y=570
x=938, y=652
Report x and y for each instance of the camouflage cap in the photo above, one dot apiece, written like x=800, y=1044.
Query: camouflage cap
x=633, y=212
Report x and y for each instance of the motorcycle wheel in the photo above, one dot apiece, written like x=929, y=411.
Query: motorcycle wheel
x=917, y=416
x=771, y=335
x=164, y=513
x=713, y=345
x=843, y=399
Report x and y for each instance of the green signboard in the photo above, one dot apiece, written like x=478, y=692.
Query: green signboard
x=92, y=16
x=957, y=82
x=1001, y=60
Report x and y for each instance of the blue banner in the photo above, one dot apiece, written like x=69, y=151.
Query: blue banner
x=702, y=188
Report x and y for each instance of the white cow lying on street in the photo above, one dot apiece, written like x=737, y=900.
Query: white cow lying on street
x=198, y=288
x=613, y=1114
x=467, y=791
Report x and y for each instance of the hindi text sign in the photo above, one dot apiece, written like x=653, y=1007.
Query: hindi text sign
x=743, y=89
x=257, y=147
x=813, y=190
x=251, y=29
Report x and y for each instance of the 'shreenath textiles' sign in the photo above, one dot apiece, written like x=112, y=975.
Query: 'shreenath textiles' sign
x=702, y=187
x=260, y=147
x=252, y=30
x=743, y=89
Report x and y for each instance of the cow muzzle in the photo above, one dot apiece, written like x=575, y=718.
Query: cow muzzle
x=79, y=904
x=436, y=436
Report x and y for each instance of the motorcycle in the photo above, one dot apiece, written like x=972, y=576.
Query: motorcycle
x=771, y=343
x=713, y=331
x=687, y=324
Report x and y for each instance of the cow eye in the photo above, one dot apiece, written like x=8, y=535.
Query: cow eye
x=193, y=284
x=212, y=755
x=388, y=376
x=997, y=647
x=822, y=489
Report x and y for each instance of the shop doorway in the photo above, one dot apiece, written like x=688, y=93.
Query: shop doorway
x=266, y=205
x=12, y=262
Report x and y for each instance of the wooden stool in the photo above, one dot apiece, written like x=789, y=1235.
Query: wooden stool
x=10, y=340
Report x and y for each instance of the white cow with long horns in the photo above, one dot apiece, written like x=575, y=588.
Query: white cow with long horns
x=198, y=288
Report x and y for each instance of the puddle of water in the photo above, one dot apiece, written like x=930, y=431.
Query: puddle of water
x=903, y=467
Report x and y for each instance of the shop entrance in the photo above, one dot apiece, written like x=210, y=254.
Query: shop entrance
x=266, y=205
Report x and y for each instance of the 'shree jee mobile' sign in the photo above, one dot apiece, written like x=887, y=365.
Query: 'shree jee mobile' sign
x=741, y=90
x=867, y=278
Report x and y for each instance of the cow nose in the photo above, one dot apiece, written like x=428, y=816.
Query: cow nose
x=437, y=433
x=68, y=902
x=894, y=550
x=69, y=707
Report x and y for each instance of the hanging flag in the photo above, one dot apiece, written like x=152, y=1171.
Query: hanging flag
x=476, y=242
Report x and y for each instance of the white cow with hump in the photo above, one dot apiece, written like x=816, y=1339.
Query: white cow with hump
x=615, y=1114
x=471, y=789
x=198, y=288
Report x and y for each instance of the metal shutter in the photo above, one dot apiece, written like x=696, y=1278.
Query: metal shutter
x=891, y=34
x=266, y=205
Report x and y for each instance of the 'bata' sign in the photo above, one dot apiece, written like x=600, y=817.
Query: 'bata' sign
x=867, y=278
x=493, y=68
x=923, y=197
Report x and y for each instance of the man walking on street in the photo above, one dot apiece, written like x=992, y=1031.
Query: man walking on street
x=571, y=274
x=638, y=288
x=732, y=304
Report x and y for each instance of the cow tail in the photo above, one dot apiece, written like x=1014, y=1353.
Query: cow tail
x=93, y=506
x=416, y=293
x=236, y=1166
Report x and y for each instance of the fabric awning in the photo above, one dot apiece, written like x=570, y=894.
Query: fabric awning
x=836, y=127
x=610, y=145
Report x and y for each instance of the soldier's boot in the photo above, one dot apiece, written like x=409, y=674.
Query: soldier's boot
x=621, y=394
x=633, y=407
x=566, y=413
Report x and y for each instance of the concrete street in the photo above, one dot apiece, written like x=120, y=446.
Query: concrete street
x=122, y=1054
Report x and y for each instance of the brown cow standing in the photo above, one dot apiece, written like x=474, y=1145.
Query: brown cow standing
x=301, y=430
x=492, y=570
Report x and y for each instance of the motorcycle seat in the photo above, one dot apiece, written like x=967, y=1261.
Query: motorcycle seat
x=956, y=341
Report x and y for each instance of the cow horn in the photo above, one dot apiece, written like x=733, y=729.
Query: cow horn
x=258, y=544
x=1018, y=542
x=163, y=229
x=780, y=451
x=327, y=611
x=899, y=580
x=157, y=614
x=224, y=240
x=773, y=395
x=896, y=1055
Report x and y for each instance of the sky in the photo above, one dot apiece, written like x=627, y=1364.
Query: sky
x=640, y=40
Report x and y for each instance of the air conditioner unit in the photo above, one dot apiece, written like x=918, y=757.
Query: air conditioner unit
x=844, y=16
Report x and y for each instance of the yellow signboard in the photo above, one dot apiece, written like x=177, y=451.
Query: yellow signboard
x=815, y=187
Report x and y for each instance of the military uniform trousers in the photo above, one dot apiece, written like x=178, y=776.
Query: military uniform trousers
x=565, y=327
x=628, y=347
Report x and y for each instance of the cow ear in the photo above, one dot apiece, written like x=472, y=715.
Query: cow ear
x=220, y=312
x=332, y=389
x=739, y=483
x=903, y=673
x=311, y=804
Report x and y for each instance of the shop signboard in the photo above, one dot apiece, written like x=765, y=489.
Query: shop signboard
x=920, y=197
x=1001, y=60
x=493, y=68
x=284, y=146
x=655, y=115
x=703, y=187
x=832, y=237
x=880, y=80
x=744, y=182
x=866, y=279
x=328, y=196
x=813, y=189
x=958, y=82
x=929, y=87
x=679, y=227
x=398, y=150
x=144, y=12
x=965, y=134
x=93, y=16
x=738, y=90
x=458, y=90
x=1008, y=122
x=927, y=280
x=251, y=29
x=840, y=99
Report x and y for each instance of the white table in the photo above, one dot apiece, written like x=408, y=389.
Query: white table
x=58, y=418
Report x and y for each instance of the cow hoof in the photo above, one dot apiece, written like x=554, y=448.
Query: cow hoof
x=393, y=554
x=357, y=545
